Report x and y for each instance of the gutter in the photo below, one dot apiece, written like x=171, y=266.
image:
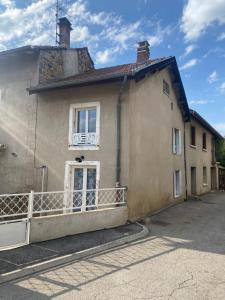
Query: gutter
x=73, y=83
x=118, y=131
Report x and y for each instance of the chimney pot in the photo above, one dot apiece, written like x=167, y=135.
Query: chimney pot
x=143, y=52
x=64, y=32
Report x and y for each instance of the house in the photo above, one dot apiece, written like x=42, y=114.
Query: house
x=202, y=168
x=20, y=68
x=82, y=129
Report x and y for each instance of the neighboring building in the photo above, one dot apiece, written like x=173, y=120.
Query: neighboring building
x=85, y=128
x=20, y=68
x=202, y=168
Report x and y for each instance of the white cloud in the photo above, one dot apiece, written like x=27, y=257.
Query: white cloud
x=20, y=25
x=158, y=37
x=200, y=102
x=107, y=55
x=199, y=14
x=222, y=88
x=7, y=3
x=220, y=127
x=35, y=24
x=191, y=63
x=213, y=77
x=188, y=50
x=221, y=37
x=122, y=34
x=80, y=34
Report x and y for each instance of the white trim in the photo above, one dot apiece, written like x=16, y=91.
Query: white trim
x=72, y=120
x=174, y=184
x=68, y=177
x=177, y=149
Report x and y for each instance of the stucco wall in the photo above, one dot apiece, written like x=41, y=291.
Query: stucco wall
x=53, y=129
x=17, y=123
x=197, y=157
x=53, y=227
x=152, y=163
x=147, y=161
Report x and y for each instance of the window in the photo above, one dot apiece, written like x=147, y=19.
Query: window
x=205, y=182
x=193, y=142
x=204, y=143
x=84, y=125
x=176, y=141
x=81, y=182
x=166, y=88
x=177, y=184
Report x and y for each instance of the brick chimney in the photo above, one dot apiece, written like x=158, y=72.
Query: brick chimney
x=64, y=32
x=143, y=52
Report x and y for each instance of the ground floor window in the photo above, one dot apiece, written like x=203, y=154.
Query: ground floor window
x=205, y=181
x=177, y=183
x=81, y=182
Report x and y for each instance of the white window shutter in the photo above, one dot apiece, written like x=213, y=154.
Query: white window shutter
x=181, y=185
x=173, y=141
x=180, y=143
x=174, y=183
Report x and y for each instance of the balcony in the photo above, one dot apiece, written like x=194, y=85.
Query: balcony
x=85, y=139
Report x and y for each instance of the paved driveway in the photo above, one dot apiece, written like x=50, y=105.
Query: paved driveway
x=182, y=258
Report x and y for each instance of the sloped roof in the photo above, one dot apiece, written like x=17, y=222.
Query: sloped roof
x=205, y=124
x=117, y=73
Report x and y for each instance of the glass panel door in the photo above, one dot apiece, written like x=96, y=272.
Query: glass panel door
x=91, y=185
x=84, y=182
x=78, y=186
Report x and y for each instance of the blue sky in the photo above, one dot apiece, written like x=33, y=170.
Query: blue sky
x=192, y=30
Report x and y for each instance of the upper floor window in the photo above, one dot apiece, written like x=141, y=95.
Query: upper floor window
x=204, y=142
x=176, y=141
x=84, y=125
x=193, y=134
x=166, y=88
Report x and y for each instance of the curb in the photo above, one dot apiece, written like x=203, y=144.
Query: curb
x=71, y=257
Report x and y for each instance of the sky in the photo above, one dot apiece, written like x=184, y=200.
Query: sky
x=191, y=30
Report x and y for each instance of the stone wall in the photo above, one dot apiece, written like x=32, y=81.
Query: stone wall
x=50, y=65
x=84, y=61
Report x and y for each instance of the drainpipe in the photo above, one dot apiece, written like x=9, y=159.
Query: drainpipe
x=118, y=132
x=185, y=161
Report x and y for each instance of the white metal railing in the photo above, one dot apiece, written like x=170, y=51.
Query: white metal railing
x=90, y=138
x=15, y=205
x=27, y=205
x=79, y=200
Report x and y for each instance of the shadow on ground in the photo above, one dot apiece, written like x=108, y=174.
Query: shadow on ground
x=192, y=225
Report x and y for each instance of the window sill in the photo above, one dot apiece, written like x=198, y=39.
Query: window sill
x=205, y=150
x=177, y=196
x=205, y=184
x=84, y=147
x=193, y=146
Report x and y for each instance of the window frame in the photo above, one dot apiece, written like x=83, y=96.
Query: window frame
x=68, y=177
x=175, y=184
x=204, y=141
x=193, y=145
x=205, y=176
x=166, y=88
x=73, y=115
x=177, y=149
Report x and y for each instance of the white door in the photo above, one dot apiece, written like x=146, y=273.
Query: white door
x=84, y=184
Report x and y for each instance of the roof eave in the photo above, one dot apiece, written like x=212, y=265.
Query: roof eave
x=73, y=83
x=205, y=124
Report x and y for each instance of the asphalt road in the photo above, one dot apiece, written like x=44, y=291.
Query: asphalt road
x=182, y=258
